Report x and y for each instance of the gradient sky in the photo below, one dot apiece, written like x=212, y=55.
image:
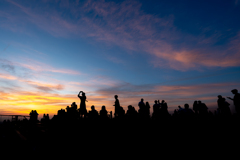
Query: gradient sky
x=179, y=51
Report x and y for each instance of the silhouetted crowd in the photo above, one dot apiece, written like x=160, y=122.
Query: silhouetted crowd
x=131, y=128
x=160, y=110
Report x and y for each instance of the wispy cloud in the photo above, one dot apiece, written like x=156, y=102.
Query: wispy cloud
x=7, y=76
x=45, y=86
x=124, y=24
x=39, y=66
x=34, y=65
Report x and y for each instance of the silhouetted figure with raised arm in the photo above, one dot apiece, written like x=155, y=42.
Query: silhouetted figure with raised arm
x=103, y=113
x=82, y=109
x=236, y=100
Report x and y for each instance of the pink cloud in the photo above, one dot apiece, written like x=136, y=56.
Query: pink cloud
x=39, y=66
x=7, y=76
x=126, y=25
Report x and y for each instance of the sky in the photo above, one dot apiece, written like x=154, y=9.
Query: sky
x=177, y=51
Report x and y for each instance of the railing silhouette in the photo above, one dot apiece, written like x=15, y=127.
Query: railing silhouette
x=15, y=117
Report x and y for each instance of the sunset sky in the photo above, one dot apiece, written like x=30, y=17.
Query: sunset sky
x=172, y=50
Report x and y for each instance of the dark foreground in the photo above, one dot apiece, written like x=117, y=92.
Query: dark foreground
x=121, y=138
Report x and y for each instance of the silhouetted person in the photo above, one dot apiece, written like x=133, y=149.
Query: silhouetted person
x=225, y=108
x=33, y=116
x=93, y=114
x=180, y=111
x=110, y=114
x=131, y=112
x=236, y=100
x=187, y=111
x=45, y=118
x=119, y=111
x=82, y=109
x=220, y=103
x=203, y=110
x=156, y=108
x=103, y=113
x=175, y=113
x=141, y=104
x=73, y=111
x=74, y=106
x=164, y=110
x=195, y=107
x=68, y=109
x=147, y=110
x=142, y=109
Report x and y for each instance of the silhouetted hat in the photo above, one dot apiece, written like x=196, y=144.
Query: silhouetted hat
x=234, y=90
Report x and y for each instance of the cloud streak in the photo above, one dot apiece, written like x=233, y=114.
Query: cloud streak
x=126, y=25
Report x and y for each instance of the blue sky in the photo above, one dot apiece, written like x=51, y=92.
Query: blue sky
x=179, y=51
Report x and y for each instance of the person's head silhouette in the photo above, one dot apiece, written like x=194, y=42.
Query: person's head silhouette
x=103, y=108
x=234, y=91
x=186, y=106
